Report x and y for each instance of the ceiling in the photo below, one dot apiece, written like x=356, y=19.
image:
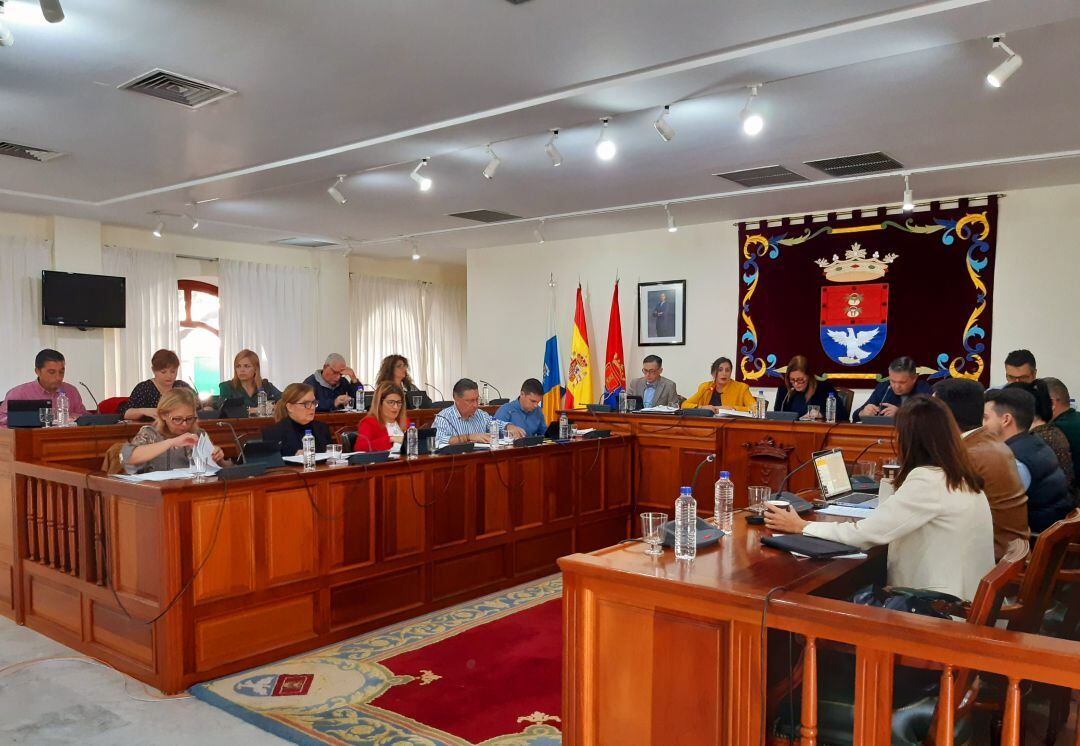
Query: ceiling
x=328, y=87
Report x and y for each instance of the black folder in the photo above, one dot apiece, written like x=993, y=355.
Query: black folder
x=811, y=546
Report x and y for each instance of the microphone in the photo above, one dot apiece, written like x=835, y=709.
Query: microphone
x=780, y=493
x=239, y=445
x=430, y=386
x=707, y=460
x=97, y=406
x=878, y=442
x=487, y=383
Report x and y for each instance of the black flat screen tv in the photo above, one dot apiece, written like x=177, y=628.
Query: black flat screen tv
x=84, y=301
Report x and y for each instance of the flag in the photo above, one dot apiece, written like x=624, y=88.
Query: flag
x=579, y=391
x=614, y=361
x=552, y=378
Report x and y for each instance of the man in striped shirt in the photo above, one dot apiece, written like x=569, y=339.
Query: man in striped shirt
x=465, y=422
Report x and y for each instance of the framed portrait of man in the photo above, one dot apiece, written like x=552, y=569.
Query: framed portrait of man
x=662, y=313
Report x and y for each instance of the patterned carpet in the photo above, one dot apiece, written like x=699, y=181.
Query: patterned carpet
x=485, y=673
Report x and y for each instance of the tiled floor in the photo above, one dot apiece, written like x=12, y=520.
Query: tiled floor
x=66, y=702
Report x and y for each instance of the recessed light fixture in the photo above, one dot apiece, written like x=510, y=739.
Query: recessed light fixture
x=493, y=164
x=752, y=122
x=334, y=192
x=552, y=151
x=671, y=227
x=605, y=148
x=159, y=229
x=421, y=181
x=1004, y=71
x=663, y=126
x=909, y=196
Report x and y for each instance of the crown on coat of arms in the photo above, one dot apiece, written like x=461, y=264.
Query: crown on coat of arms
x=856, y=266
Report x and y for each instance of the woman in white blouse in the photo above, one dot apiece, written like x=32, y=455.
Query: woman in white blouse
x=937, y=525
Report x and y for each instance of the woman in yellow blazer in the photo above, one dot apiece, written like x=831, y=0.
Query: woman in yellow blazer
x=721, y=391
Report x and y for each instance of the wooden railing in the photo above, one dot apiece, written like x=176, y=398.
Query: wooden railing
x=63, y=521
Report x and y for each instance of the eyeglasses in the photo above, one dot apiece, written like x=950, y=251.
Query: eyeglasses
x=182, y=420
x=393, y=402
x=793, y=379
x=304, y=404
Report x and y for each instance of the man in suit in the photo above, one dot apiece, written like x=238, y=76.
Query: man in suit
x=903, y=383
x=991, y=459
x=663, y=315
x=652, y=387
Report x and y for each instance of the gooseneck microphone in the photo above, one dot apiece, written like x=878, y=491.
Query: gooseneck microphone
x=707, y=460
x=878, y=442
x=780, y=494
x=436, y=390
x=488, y=383
x=236, y=440
x=97, y=405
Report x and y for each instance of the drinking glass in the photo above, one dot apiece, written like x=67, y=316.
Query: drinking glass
x=813, y=412
x=756, y=495
x=333, y=454
x=45, y=415
x=890, y=470
x=652, y=532
x=866, y=468
x=198, y=466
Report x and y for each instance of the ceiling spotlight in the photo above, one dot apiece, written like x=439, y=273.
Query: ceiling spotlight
x=552, y=151
x=671, y=227
x=6, y=37
x=334, y=192
x=752, y=122
x=194, y=222
x=415, y=250
x=663, y=126
x=1004, y=71
x=909, y=196
x=52, y=11
x=159, y=229
x=493, y=164
x=538, y=234
x=421, y=181
x=605, y=148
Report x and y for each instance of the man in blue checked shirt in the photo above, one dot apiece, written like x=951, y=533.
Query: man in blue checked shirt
x=525, y=411
x=465, y=422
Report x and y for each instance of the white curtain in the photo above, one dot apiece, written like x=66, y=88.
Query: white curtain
x=423, y=322
x=153, y=316
x=272, y=310
x=21, y=332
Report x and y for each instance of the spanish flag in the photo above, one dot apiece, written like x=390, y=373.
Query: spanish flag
x=579, y=389
x=552, y=378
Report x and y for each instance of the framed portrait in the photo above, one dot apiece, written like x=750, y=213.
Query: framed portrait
x=661, y=313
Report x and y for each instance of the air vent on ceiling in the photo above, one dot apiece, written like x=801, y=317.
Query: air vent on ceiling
x=177, y=88
x=856, y=165
x=306, y=243
x=485, y=216
x=25, y=151
x=764, y=176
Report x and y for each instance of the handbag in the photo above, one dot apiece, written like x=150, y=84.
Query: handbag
x=910, y=600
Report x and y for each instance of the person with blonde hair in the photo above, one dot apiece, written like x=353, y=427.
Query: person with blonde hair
x=167, y=443
x=247, y=382
x=387, y=422
x=294, y=415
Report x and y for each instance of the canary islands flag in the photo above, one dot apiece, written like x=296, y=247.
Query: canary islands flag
x=579, y=388
x=552, y=378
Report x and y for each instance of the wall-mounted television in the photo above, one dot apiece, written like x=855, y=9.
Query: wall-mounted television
x=84, y=301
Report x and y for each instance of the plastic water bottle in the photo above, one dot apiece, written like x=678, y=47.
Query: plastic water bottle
x=261, y=407
x=493, y=433
x=624, y=402
x=484, y=396
x=685, y=525
x=564, y=427
x=412, y=441
x=309, y=451
x=724, y=502
x=62, y=409
x=361, y=400
x=830, y=408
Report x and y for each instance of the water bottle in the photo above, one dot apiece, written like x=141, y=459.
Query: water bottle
x=484, y=396
x=412, y=441
x=309, y=451
x=624, y=402
x=830, y=408
x=564, y=427
x=62, y=409
x=261, y=407
x=685, y=525
x=493, y=433
x=724, y=502
x=361, y=400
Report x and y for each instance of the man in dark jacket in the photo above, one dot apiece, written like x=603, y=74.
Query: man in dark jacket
x=1008, y=414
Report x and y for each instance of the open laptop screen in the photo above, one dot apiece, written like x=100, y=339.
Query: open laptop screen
x=832, y=474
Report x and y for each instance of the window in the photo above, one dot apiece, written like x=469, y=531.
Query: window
x=200, y=340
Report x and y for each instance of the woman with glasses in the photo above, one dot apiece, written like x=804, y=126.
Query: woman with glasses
x=802, y=390
x=294, y=415
x=167, y=443
x=387, y=423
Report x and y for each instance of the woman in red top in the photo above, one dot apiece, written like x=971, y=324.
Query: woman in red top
x=386, y=424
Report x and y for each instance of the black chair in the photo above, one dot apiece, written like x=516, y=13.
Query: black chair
x=348, y=440
x=441, y=404
x=498, y=402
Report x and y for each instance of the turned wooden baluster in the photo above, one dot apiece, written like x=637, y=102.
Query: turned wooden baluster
x=1010, y=733
x=29, y=495
x=809, y=694
x=946, y=723
x=100, y=549
x=60, y=525
x=42, y=534
x=73, y=534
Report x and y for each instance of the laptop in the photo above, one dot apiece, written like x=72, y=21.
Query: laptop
x=24, y=412
x=835, y=482
x=877, y=419
x=267, y=452
x=425, y=441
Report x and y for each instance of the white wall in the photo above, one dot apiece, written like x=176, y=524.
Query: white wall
x=1037, y=281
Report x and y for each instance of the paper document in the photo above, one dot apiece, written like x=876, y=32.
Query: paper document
x=319, y=458
x=583, y=430
x=660, y=408
x=845, y=510
x=157, y=476
x=724, y=412
x=202, y=455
